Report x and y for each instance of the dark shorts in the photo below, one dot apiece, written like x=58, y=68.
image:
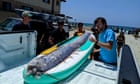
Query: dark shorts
x=96, y=56
x=120, y=43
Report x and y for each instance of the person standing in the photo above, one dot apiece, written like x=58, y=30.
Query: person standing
x=107, y=42
x=24, y=25
x=80, y=30
x=95, y=54
x=59, y=34
x=50, y=27
x=49, y=41
x=120, y=41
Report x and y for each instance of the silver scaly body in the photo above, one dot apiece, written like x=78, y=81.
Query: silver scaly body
x=41, y=64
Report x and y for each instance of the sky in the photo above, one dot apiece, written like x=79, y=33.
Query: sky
x=116, y=12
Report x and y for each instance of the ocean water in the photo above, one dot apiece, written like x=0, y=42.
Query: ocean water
x=113, y=26
x=116, y=28
x=88, y=25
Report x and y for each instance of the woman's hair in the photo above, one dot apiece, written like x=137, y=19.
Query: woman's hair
x=103, y=20
x=80, y=24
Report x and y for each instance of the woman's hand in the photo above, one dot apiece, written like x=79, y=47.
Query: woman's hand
x=92, y=38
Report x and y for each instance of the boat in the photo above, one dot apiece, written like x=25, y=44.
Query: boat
x=66, y=67
x=97, y=72
x=86, y=72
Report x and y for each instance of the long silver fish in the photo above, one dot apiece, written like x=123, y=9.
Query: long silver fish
x=41, y=64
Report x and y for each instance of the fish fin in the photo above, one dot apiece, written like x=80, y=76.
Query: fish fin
x=47, y=51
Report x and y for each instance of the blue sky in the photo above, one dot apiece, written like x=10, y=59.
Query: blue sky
x=116, y=12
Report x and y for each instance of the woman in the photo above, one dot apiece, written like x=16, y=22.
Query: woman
x=80, y=30
x=120, y=41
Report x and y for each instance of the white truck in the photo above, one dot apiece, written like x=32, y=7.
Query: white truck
x=16, y=48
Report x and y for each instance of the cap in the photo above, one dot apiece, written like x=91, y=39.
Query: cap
x=26, y=13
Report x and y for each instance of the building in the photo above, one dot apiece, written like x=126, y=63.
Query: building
x=45, y=6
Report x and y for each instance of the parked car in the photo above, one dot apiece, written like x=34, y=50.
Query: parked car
x=8, y=23
x=38, y=25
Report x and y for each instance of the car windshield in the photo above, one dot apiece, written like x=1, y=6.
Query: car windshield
x=8, y=24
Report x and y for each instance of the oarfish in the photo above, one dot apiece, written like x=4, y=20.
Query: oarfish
x=41, y=64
